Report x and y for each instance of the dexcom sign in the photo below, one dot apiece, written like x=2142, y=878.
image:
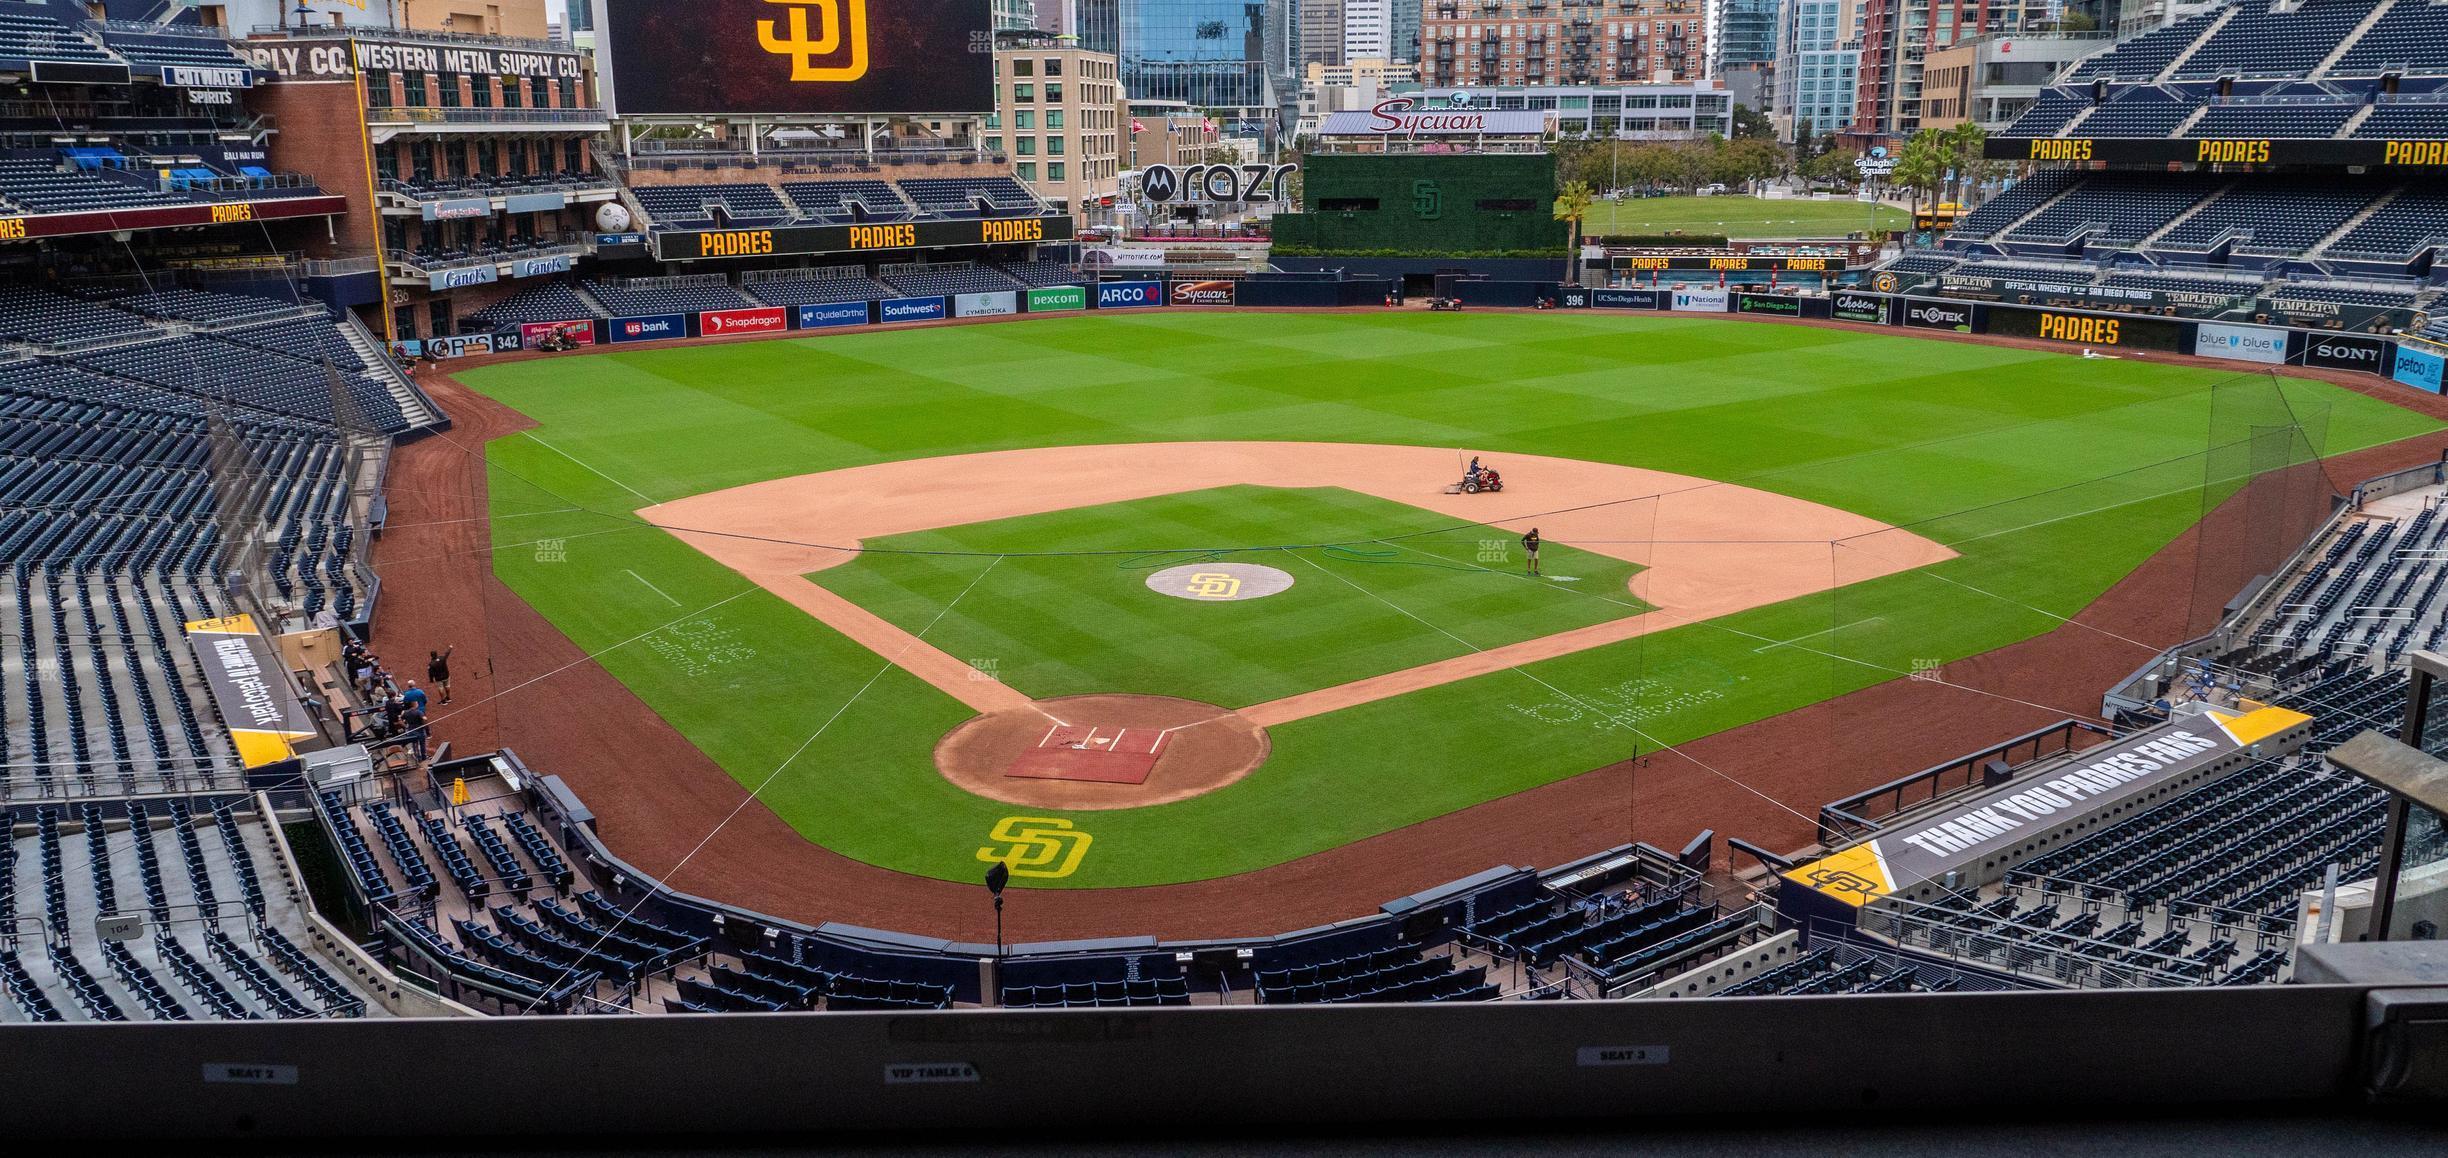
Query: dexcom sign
x=1126, y=295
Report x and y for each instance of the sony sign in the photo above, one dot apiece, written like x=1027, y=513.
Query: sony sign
x=2338, y=352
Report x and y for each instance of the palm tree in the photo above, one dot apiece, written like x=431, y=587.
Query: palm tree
x=1920, y=164
x=1572, y=203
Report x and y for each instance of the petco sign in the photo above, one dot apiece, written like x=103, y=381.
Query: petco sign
x=2240, y=343
x=723, y=323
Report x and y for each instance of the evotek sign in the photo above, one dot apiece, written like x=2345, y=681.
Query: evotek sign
x=1219, y=183
x=1939, y=316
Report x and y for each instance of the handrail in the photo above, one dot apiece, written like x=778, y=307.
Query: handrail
x=1845, y=818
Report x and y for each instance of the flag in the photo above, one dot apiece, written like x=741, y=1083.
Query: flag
x=1136, y=127
x=1211, y=128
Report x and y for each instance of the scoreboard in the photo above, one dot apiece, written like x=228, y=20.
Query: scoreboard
x=700, y=244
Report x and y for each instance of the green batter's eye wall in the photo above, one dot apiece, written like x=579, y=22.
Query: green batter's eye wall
x=1500, y=203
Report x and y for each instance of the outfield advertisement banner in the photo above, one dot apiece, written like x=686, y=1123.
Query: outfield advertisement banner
x=650, y=328
x=1873, y=309
x=1572, y=297
x=724, y=323
x=2419, y=366
x=2339, y=352
x=2240, y=343
x=1707, y=299
x=1780, y=305
x=2112, y=330
x=1128, y=295
x=1626, y=299
x=910, y=310
x=992, y=305
x=1929, y=315
x=823, y=57
x=1057, y=299
x=1203, y=293
x=693, y=244
x=460, y=346
x=1705, y=263
x=831, y=314
x=577, y=332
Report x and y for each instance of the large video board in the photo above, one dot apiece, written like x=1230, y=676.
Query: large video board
x=808, y=57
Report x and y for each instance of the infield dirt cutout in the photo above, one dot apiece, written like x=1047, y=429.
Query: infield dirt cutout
x=1707, y=549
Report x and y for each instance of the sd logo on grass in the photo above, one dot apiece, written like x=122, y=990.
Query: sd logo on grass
x=1037, y=846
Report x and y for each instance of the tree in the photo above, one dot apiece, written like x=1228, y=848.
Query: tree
x=1572, y=203
x=1834, y=167
x=1921, y=164
x=1966, y=143
x=1750, y=123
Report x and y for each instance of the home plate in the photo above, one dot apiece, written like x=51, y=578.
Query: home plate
x=1103, y=755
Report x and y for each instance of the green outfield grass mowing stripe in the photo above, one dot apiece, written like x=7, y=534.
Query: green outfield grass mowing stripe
x=2053, y=476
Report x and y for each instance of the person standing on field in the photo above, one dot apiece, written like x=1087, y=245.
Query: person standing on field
x=1530, y=546
x=437, y=670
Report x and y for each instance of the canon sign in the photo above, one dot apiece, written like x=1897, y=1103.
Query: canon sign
x=2341, y=353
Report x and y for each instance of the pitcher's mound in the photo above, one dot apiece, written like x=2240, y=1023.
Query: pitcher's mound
x=1099, y=752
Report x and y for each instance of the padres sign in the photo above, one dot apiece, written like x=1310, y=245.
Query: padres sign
x=1219, y=582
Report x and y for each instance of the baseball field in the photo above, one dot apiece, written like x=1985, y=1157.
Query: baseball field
x=939, y=595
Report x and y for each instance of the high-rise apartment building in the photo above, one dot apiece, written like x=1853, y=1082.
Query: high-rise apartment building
x=1562, y=42
x=1818, y=66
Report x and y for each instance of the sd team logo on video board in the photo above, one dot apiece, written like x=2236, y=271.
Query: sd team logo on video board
x=663, y=57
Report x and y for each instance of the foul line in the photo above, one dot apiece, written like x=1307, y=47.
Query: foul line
x=650, y=499
x=650, y=586
x=671, y=875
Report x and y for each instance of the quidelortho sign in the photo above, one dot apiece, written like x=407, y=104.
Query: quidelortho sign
x=2240, y=343
x=832, y=314
x=1057, y=299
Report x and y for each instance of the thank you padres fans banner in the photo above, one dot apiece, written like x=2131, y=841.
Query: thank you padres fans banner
x=1994, y=821
x=251, y=688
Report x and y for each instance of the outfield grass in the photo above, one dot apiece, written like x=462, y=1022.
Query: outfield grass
x=2053, y=476
x=1738, y=216
x=1072, y=624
